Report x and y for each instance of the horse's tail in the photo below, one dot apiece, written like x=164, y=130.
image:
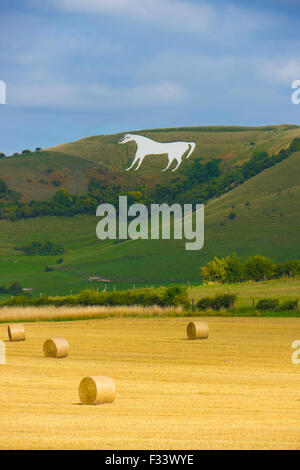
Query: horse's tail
x=193, y=146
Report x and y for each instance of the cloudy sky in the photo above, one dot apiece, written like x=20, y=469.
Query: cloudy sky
x=75, y=68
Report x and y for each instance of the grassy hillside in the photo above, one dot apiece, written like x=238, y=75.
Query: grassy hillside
x=71, y=166
x=231, y=144
x=266, y=209
x=268, y=225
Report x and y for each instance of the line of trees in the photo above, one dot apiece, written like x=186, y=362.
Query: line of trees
x=44, y=249
x=14, y=289
x=172, y=295
x=231, y=269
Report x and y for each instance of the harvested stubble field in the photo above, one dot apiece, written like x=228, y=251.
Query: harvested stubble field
x=236, y=390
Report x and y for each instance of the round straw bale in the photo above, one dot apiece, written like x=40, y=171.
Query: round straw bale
x=16, y=332
x=56, y=347
x=197, y=330
x=94, y=390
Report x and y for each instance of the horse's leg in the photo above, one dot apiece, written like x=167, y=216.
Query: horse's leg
x=141, y=158
x=136, y=158
x=169, y=163
x=178, y=163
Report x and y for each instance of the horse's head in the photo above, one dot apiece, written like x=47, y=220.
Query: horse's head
x=126, y=138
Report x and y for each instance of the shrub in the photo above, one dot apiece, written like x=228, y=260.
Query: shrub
x=175, y=295
x=204, y=303
x=258, y=268
x=15, y=288
x=289, y=305
x=48, y=269
x=223, y=300
x=267, y=304
x=43, y=249
x=217, y=302
x=3, y=186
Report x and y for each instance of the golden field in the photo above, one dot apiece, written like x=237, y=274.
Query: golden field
x=236, y=390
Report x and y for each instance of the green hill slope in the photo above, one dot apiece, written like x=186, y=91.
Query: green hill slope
x=72, y=165
x=231, y=144
x=266, y=222
x=266, y=208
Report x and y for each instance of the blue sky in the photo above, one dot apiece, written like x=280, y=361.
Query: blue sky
x=75, y=68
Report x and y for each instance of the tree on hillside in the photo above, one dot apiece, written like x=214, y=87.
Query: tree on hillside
x=290, y=268
x=15, y=288
x=234, y=268
x=295, y=145
x=259, y=268
x=215, y=270
x=3, y=186
x=228, y=269
x=62, y=199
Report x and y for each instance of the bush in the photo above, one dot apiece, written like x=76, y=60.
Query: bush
x=267, y=304
x=15, y=288
x=259, y=268
x=44, y=249
x=217, y=302
x=289, y=305
x=175, y=295
x=204, y=303
x=48, y=269
x=223, y=301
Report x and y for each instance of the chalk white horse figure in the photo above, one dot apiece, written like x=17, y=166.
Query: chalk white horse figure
x=146, y=146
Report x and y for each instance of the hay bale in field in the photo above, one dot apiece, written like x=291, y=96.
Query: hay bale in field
x=56, y=347
x=96, y=390
x=197, y=330
x=16, y=332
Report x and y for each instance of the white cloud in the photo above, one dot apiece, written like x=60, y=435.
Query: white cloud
x=224, y=21
x=177, y=15
x=283, y=71
x=95, y=96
